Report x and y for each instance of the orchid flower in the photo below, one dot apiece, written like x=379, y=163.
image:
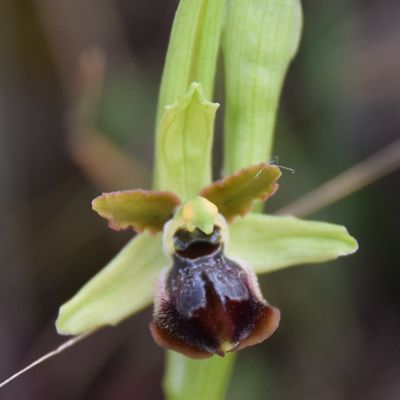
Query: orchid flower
x=196, y=254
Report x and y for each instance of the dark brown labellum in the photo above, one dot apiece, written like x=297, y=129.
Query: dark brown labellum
x=209, y=304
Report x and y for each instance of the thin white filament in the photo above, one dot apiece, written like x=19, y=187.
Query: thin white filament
x=64, y=346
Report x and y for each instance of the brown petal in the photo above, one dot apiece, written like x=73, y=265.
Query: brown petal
x=235, y=194
x=139, y=209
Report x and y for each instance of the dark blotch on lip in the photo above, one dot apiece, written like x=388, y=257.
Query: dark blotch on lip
x=210, y=304
x=197, y=243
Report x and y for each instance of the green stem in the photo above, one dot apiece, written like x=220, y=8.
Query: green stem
x=197, y=380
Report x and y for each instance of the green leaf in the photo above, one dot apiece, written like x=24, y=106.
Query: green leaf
x=197, y=379
x=192, y=50
x=122, y=288
x=235, y=194
x=139, y=209
x=260, y=39
x=183, y=153
x=268, y=243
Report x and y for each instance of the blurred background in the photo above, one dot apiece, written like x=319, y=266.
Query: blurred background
x=78, y=92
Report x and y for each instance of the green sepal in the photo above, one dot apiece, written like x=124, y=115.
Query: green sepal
x=236, y=194
x=121, y=289
x=268, y=243
x=138, y=209
x=184, y=142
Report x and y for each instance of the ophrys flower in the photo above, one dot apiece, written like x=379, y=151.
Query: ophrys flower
x=203, y=254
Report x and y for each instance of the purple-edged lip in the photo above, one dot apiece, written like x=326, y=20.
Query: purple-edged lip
x=208, y=304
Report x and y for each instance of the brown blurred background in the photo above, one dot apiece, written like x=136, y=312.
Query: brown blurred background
x=66, y=135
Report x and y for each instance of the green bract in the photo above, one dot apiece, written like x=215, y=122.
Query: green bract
x=192, y=50
x=260, y=39
x=185, y=134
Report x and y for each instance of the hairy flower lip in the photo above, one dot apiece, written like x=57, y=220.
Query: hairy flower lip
x=210, y=305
